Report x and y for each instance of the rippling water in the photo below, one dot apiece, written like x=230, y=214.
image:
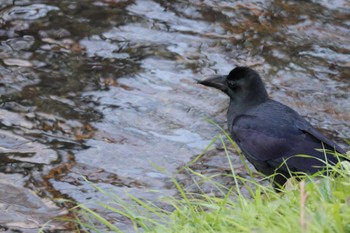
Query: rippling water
x=107, y=89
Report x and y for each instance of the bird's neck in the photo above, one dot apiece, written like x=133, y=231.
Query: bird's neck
x=241, y=104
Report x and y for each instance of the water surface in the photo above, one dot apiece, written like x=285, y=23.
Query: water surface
x=107, y=89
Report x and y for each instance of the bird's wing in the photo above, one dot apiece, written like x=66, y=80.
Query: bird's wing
x=264, y=140
x=307, y=128
x=268, y=143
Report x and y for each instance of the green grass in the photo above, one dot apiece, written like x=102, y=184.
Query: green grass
x=317, y=203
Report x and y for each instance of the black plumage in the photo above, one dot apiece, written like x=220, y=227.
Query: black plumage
x=269, y=132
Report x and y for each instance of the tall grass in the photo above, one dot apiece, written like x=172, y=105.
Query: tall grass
x=317, y=203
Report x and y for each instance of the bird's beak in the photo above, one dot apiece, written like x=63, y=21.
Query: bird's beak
x=218, y=82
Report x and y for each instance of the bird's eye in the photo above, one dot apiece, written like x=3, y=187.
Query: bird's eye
x=232, y=83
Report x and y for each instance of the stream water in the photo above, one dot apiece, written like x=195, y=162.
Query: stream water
x=107, y=89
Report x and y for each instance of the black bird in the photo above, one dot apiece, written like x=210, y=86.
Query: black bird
x=268, y=132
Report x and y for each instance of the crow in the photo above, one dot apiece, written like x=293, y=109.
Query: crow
x=272, y=136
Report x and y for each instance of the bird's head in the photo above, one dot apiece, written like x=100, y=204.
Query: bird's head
x=242, y=83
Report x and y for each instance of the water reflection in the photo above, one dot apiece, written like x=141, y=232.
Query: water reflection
x=106, y=89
